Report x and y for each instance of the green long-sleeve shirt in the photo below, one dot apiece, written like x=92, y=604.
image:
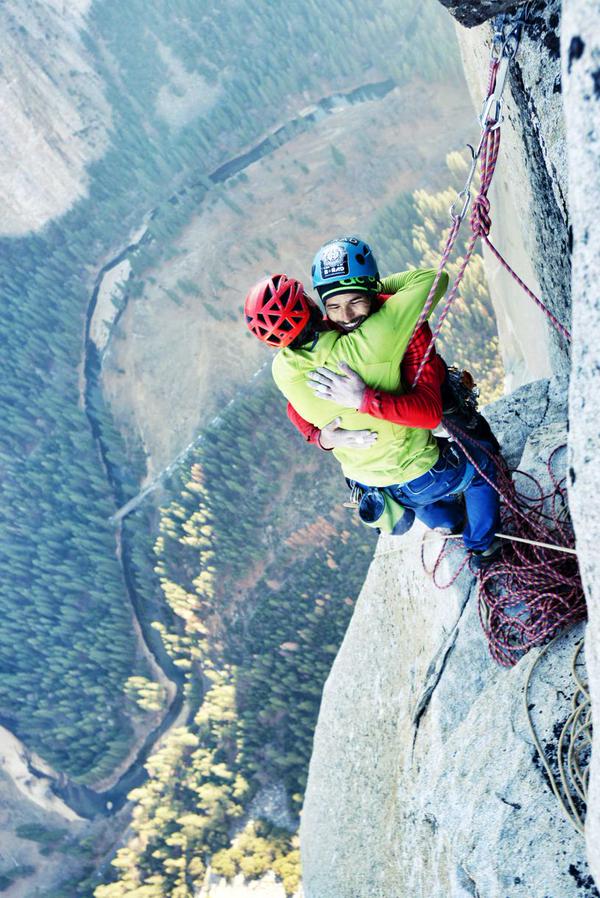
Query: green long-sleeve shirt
x=375, y=352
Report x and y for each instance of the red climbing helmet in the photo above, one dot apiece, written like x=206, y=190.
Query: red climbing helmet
x=277, y=310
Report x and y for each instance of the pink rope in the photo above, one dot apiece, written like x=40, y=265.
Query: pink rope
x=559, y=327
x=532, y=593
x=453, y=234
x=480, y=221
x=492, y=72
x=429, y=301
x=481, y=224
x=434, y=571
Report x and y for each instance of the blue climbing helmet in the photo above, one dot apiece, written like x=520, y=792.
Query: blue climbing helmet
x=344, y=265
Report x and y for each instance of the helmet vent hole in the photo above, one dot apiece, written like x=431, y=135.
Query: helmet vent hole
x=360, y=258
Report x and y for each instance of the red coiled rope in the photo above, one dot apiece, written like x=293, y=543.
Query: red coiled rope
x=481, y=223
x=531, y=593
x=526, y=598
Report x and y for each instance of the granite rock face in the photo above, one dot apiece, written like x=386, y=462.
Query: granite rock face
x=581, y=78
x=562, y=174
x=424, y=781
x=556, y=168
x=528, y=195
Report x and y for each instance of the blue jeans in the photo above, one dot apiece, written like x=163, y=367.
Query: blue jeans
x=434, y=495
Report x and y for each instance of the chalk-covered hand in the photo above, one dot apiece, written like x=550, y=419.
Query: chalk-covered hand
x=347, y=389
x=333, y=436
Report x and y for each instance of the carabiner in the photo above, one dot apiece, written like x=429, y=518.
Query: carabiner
x=490, y=116
x=466, y=194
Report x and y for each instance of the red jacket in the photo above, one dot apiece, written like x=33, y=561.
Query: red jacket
x=421, y=407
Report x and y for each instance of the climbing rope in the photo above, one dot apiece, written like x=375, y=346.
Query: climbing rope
x=504, y=48
x=573, y=749
x=527, y=599
x=432, y=536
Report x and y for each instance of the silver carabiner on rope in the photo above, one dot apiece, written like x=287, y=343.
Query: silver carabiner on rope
x=491, y=113
x=464, y=197
x=505, y=43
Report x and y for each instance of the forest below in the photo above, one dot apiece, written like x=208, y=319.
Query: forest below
x=65, y=607
x=251, y=567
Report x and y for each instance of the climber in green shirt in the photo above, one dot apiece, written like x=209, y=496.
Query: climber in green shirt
x=374, y=351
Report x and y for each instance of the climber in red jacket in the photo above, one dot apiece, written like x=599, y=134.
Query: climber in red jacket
x=421, y=407
x=347, y=308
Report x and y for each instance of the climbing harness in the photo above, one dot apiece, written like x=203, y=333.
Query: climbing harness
x=459, y=396
x=573, y=749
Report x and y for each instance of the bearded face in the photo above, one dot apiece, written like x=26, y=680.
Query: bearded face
x=347, y=311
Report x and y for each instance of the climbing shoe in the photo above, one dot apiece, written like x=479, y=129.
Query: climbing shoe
x=482, y=559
